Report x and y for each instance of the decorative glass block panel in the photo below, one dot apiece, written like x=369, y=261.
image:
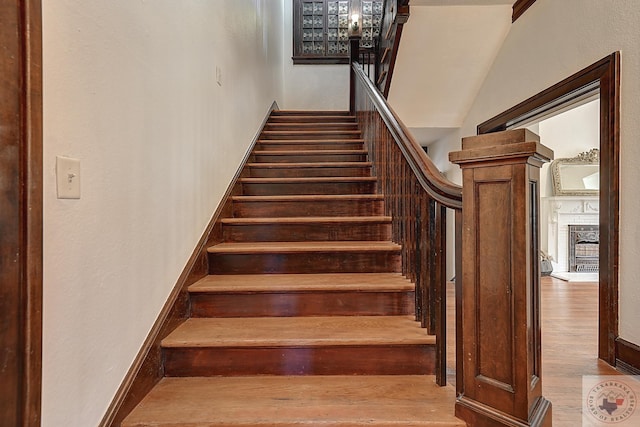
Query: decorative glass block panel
x=307, y=21
x=323, y=29
x=307, y=8
x=307, y=48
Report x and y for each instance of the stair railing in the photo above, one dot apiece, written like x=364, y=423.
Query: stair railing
x=416, y=197
x=497, y=286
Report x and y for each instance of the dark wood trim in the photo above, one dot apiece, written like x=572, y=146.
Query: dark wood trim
x=520, y=7
x=605, y=75
x=147, y=368
x=628, y=357
x=324, y=60
x=21, y=212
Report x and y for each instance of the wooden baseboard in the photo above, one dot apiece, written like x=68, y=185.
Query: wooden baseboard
x=147, y=368
x=627, y=357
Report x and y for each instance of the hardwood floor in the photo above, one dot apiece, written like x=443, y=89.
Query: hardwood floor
x=569, y=345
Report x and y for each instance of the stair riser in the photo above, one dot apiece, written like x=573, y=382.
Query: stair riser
x=257, y=209
x=306, y=119
x=306, y=262
x=319, y=303
x=316, y=114
x=306, y=172
x=287, y=188
x=304, y=146
x=263, y=157
x=330, y=360
x=331, y=134
x=320, y=127
x=275, y=232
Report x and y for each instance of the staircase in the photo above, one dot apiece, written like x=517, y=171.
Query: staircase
x=304, y=318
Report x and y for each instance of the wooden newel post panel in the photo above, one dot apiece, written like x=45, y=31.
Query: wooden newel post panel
x=501, y=349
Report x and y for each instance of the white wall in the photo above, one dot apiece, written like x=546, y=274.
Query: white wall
x=130, y=90
x=311, y=87
x=445, y=53
x=550, y=42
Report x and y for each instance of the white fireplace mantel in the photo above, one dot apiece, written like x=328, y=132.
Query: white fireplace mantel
x=562, y=211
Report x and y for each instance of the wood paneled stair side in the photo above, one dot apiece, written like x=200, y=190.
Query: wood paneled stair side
x=304, y=291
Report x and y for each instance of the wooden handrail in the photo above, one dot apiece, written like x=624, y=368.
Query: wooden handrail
x=437, y=185
x=416, y=197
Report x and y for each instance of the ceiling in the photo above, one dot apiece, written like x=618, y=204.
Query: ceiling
x=446, y=50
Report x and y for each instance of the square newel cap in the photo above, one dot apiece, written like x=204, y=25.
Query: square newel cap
x=510, y=144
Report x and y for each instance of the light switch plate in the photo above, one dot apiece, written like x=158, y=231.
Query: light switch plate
x=68, y=177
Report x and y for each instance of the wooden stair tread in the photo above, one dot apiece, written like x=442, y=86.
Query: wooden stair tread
x=288, y=401
x=310, y=165
x=312, y=124
x=309, y=197
x=360, y=282
x=310, y=113
x=303, y=152
x=310, y=118
x=298, y=332
x=307, y=220
x=274, y=141
x=312, y=132
x=299, y=247
x=305, y=179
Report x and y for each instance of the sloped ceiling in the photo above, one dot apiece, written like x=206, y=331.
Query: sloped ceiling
x=446, y=50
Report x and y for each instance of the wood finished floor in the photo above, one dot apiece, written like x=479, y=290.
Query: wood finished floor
x=569, y=345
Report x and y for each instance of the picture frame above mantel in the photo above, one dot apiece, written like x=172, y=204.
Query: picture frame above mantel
x=577, y=176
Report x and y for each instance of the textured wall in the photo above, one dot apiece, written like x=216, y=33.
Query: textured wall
x=130, y=89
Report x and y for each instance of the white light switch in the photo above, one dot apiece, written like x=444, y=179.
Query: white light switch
x=68, y=177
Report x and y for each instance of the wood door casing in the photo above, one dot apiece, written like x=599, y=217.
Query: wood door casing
x=605, y=76
x=20, y=212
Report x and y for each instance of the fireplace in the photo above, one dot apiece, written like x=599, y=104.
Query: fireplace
x=584, y=244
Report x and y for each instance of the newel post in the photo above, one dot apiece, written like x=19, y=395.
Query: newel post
x=501, y=348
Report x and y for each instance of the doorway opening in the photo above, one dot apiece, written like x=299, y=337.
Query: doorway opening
x=602, y=77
